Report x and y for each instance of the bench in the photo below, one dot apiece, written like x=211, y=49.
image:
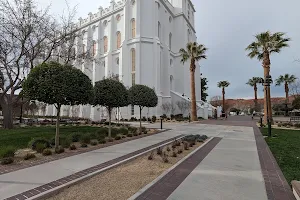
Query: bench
x=295, y=119
x=296, y=189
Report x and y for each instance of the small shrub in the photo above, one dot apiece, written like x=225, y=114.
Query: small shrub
x=102, y=141
x=174, y=154
x=130, y=135
x=59, y=150
x=75, y=137
x=94, y=143
x=40, y=147
x=186, y=146
x=93, y=136
x=84, y=145
x=103, y=131
x=151, y=156
x=123, y=131
x=159, y=151
x=85, y=139
x=33, y=143
x=72, y=147
x=135, y=134
x=165, y=158
x=66, y=142
x=110, y=140
x=180, y=151
x=118, y=137
x=279, y=125
x=168, y=148
x=297, y=125
x=47, y=152
x=7, y=152
x=132, y=129
x=7, y=161
x=29, y=156
x=123, y=136
x=153, y=119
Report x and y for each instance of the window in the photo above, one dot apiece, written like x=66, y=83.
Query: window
x=171, y=62
x=188, y=14
x=83, y=49
x=118, y=17
x=105, y=41
x=188, y=34
x=133, y=66
x=170, y=41
x=133, y=31
x=118, y=40
x=94, y=51
x=158, y=30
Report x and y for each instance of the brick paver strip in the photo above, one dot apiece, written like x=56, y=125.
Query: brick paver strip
x=4, y=169
x=59, y=182
x=277, y=187
x=166, y=185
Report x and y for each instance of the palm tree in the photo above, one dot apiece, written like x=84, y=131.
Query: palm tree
x=265, y=44
x=253, y=83
x=194, y=52
x=223, y=85
x=287, y=80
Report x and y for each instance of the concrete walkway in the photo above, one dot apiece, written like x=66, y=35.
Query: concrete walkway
x=20, y=181
x=231, y=171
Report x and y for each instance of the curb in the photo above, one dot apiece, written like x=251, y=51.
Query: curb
x=140, y=192
x=58, y=189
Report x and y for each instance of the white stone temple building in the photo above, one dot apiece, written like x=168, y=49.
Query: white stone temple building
x=139, y=40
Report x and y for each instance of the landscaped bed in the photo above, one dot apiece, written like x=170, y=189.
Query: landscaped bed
x=125, y=180
x=285, y=146
x=24, y=147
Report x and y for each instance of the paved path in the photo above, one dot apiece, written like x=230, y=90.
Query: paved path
x=20, y=181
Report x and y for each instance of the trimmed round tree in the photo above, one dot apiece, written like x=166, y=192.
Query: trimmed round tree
x=58, y=85
x=111, y=94
x=142, y=96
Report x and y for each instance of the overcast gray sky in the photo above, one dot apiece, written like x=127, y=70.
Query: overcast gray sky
x=226, y=27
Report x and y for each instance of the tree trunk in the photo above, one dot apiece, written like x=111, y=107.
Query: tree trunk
x=140, y=120
x=255, y=98
x=7, y=111
x=109, y=126
x=57, y=125
x=223, y=101
x=286, y=88
x=193, y=92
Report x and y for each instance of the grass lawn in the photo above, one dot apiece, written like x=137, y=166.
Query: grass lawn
x=286, y=149
x=19, y=138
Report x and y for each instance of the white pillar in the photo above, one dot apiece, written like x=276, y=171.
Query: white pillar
x=205, y=114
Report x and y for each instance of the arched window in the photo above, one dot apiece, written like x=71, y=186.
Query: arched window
x=83, y=48
x=170, y=41
x=133, y=66
x=94, y=50
x=133, y=31
x=158, y=29
x=105, y=42
x=118, y=40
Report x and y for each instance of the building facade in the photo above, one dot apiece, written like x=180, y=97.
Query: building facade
x=138, y=41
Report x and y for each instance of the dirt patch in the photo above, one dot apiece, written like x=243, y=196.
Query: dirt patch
x=123, y=181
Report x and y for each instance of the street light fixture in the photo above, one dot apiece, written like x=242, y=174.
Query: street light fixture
x=267, y=83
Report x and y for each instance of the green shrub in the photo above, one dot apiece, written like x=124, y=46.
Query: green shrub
x=103, y=131
x=66, y=142
x=110, y=140
x=75, y=137
x=132, y=129
x=72, y=147
x=174, y=154
x=153, y=119
x=118, y=137
x=93, y=136
x=84, y=145
x=123, y=131
x=7, y=152
x=85, y=139
x=33, y=143
x=47, y=152
x=279, y=124
x=135, y=134
x=102, y=141
x=151, y=156
x=130, y=135
x=7, y=161
x=29, y=156
x=40, y=147
x=94, y=143
x=159, y=151
x=297, y=125
x=114, y=132
x=59, y=150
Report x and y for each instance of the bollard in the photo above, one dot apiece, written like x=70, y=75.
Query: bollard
x=161, y=123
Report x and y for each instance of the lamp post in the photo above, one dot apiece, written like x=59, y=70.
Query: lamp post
x=267, y=82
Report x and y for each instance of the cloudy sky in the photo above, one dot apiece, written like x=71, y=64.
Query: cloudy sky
x=226, y=27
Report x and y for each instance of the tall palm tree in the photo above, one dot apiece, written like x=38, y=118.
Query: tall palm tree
x=286, y=80
x=194, y=52
x=265, y=44
x=253, y=83
x=223, y=85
